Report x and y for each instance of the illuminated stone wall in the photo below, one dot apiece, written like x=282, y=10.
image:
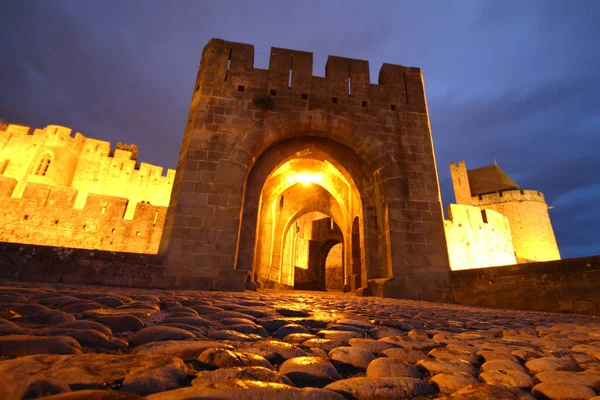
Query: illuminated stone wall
x=531, y=228
x=334, y=266
x=477, y=243
x=527, y=213
x=85, y=198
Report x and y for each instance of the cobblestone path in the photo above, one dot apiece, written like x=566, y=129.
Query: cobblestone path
x=90, y=342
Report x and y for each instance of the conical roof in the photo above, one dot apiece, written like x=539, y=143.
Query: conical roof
x=489, y=179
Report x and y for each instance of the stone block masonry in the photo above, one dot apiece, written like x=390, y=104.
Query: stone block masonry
x=45, y=215
x=60, y=189
x=571, y=285
x=245, y=122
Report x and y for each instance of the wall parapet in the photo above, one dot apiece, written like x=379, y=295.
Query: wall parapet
x=569, y=285
x=35, y=263
x=230, y=65
x=507, y=196
x=46, y=215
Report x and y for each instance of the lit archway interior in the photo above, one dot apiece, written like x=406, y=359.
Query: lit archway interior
x=307, y=227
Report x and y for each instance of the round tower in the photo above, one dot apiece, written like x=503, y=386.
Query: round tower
x=530, y=225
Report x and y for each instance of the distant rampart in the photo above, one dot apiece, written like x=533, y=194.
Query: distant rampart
x=59, y=189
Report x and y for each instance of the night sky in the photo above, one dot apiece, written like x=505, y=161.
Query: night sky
x=518, y=79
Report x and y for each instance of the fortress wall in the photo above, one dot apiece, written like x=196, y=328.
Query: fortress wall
x=530, y=225
x=99, y=173
x=45, y=216
x=571, y=285
x=88, y=190
x=34, y=263
x=474, y=243
x=22, y=149
x=82, y=163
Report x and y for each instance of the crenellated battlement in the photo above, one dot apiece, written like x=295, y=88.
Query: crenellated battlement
x=50, y=132
x=47, y=215
x=227, y=70
x=84, y=164
x=508, y=196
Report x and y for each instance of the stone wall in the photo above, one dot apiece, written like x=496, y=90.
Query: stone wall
x=478, y=238
x=89, y=197
x=531, y=228
x=85, y=164
x=45, y=215
x=33, y=263
x=571, y=285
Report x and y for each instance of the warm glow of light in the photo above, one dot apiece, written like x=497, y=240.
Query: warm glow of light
x=305, y=178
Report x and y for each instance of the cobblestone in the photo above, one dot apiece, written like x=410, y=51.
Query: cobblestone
x=78, y=342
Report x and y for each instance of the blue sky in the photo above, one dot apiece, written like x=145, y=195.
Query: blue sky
x=520, y=79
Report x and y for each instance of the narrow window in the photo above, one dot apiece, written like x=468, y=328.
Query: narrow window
x=405, y=91
x=155, y=218
x=241, y=88
x=273, y=92
x=228, y=65
x=281, y=202
x=484, y=216
x=43, y=165
x=56, y=222
x=104, y=207
x=349, y=87
x=393, y=107
x=304, y=96
x=290, y=74
x=138, y=233
x=25, y=217
x=334, y=100
x=113, y=230
x=364, y=103
x=85, y=227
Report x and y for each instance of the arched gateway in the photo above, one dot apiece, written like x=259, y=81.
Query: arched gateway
x=278, y=166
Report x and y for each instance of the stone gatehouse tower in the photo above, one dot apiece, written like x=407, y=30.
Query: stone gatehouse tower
x=264, y=149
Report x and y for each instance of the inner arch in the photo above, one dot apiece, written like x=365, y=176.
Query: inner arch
x=314, y=174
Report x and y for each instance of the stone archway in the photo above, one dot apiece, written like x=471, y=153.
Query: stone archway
x=245, y=123
x=295, y=177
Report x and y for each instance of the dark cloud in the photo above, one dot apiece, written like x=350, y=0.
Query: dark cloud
x=513, y=78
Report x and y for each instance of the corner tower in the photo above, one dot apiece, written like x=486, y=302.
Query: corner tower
x=490, y=188
x=263, y=148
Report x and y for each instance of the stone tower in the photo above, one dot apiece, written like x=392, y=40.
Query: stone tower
x=263, y=148
x=489, y=188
